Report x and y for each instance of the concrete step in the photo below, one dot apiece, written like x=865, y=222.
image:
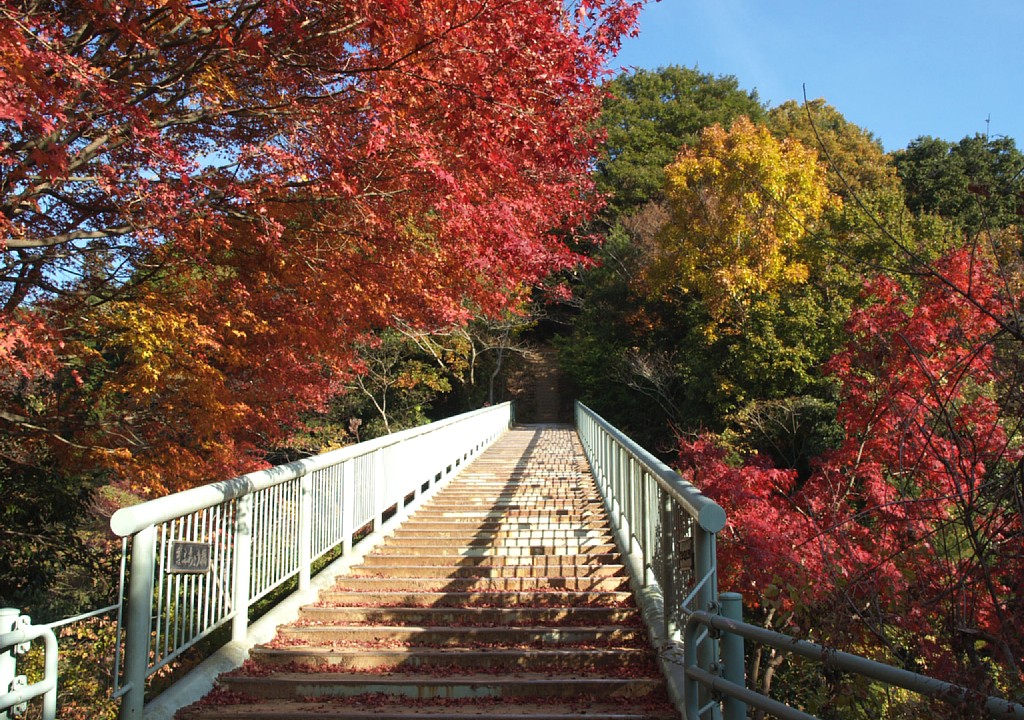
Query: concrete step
x=416, y=549
x=524, y=480
x=503, y=540
x=433, y=616
x=610, y=661
x=482, y=519
x=577, y=485
x=287, y=685
x=553, y=569
x=518, y=514
x=569, y=489
x=401, y=635
x=489, y=512
x=454, y=585
x=478, y=598
x=457, y=532
x=231, y=707
x=462, y=533
x=567, y=519
x=540, y=559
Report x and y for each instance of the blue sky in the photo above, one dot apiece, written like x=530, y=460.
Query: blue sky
x=898, y=68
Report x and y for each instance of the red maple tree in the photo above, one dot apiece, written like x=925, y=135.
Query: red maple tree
x=208, y=203
x=906, y=538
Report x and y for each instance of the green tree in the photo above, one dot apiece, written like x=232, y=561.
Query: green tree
x=648, y=115
x=978, y=183
x=642, y=344
x=857, y=234
x=614, y=353
x=854, y=159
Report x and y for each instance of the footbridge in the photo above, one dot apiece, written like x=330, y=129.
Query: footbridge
x=472, y=568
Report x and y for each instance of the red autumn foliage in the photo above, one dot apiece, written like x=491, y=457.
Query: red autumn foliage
x=911, y=528
x=208, y=204
x=756, y=548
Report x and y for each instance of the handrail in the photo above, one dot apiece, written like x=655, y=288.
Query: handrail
x=20, y=633
x=706, y=511
x=202, y=557
x=130, y=520
x=915, y=682
x=667, y=530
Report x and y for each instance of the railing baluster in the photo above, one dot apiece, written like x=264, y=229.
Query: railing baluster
x=140, y=607
x=243, y=564
x=265, y=527
x=348, y=505
x=305, y=529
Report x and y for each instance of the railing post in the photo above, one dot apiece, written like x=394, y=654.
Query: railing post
x=50, y=670
x=707, y=596
x=733, y=660
x=619, y=470
x=670, y=593
x=140, y=623
x=636, y=478
x=16, y=635
x=8, y=663
x=305, y=530
x=243, y=568
x=348, y=510
x=379, y=473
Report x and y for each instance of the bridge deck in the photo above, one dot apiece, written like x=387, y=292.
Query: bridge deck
x=502, y=596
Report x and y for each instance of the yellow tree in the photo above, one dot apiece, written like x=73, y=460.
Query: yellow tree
x=741, y=202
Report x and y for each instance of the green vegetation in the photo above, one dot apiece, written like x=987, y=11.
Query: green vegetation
x=826, y=339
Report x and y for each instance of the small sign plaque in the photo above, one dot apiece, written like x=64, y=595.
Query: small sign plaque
x=189, y=558
x=684, y=550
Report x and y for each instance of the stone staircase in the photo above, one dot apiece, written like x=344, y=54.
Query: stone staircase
x=502, y=597
x=541, y=400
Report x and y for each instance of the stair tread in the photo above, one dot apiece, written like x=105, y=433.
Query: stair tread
x=472, y=611
x=427, y=710
x=431, y=679
x=504, y=596
x=448, y=651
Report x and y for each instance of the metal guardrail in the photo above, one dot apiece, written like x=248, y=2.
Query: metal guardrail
x=200, y=558
x=831, y=658
x=668, y=530
x=16, y=633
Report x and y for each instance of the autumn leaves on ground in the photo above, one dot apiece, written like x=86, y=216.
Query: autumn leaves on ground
x=503, y=596
x=234, y=233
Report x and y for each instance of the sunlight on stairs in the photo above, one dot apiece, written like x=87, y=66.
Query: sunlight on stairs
x=502, y=597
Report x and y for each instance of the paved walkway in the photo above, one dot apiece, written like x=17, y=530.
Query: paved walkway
x=503, y=596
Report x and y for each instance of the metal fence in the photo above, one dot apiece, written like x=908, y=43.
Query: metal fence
x=201, y=558
x=670, y=529
x=16, y=634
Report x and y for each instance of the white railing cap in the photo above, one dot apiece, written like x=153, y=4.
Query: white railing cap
x=708, y=514
x=130, y=520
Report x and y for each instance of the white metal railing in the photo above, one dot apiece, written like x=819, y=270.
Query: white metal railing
x=662, y=517
x=668, y=528
x=668, y=531
x=16, y=633
x=201, y=557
